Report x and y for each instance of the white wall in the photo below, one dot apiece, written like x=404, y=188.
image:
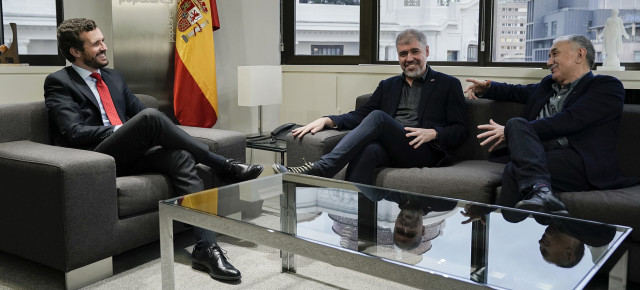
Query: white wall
x=245, y=37
x=314, y=91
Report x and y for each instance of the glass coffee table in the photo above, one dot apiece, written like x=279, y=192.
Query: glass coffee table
x=411, y=239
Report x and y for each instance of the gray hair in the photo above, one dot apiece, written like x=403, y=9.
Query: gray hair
x=580, y=41
x=408, y=35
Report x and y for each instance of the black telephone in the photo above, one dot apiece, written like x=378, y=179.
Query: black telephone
x=280, y=133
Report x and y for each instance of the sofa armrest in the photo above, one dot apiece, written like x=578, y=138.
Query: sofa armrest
x=58, y=204
x=312, y=146
x=230, y=144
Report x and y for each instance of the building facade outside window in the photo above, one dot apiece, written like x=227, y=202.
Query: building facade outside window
x=327, y=49
x=322, y=22
x=548, y=19
x=36, y=22
x=511, y=31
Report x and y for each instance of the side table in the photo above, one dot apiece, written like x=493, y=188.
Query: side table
x=265, y=142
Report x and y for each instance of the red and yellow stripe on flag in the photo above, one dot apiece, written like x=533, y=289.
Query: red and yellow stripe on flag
x=195, y=92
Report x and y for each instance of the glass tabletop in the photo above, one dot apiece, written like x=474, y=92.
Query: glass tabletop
x=490, y=245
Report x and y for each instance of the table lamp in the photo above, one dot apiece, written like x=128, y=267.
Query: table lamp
x=258, y=86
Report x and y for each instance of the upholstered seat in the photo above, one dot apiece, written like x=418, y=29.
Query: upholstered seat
x=66, y=209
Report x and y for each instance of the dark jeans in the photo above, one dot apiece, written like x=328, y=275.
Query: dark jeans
x=150, y=142
x=378, y=141
x=561, y=168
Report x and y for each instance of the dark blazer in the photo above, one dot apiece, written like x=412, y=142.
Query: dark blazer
x=75, y=116
x=590, y=120
x=442, y=107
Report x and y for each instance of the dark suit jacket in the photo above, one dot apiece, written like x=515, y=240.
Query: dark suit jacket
x=442, y=107
x=75, y=116
x=590, y=120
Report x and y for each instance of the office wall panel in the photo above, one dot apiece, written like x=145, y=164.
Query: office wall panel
x=143, y=47
x=308, y=96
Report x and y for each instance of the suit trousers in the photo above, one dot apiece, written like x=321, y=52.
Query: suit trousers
x=150, y=142
x=561, y=168
x=378, y=141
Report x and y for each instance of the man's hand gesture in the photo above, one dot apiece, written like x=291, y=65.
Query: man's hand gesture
x=313, y=127
x=477, y=87
x=494, y=134
x=421, y=135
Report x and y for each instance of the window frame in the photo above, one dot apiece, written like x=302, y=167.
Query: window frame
x=288, y=56
x=369, y=22
x=40, y=59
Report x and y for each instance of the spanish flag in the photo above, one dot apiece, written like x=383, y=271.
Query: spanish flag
x=195, y=92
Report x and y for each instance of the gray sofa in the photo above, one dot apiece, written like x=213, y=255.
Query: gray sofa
x=472, y=177
x=66, y=209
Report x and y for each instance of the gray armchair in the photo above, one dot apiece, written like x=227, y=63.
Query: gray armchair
x=66, y=209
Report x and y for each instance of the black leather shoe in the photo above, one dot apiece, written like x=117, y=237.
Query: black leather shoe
x=308, y=168
x=541, y=199
x=212, y=260
x=241, y=171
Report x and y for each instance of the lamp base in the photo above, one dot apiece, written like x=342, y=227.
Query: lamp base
x=259, y=135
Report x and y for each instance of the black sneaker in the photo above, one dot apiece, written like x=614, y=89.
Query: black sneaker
x=308, y=168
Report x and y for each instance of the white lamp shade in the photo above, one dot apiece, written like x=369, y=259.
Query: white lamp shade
x=259, y=85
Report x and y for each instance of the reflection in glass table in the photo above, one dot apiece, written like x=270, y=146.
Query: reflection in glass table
x=403, y=237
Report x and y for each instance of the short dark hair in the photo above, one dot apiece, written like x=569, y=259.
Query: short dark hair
x=69, y=35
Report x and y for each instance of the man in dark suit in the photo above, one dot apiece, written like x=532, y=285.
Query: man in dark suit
x=411, y=120
x=568, y=139
x=92, y=108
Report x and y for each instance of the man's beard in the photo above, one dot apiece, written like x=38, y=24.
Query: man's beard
x=93, y=62
x=415, y=74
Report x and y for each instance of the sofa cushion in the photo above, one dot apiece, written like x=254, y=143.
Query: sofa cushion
x=614, y=206
x=140, y=193
x=473, y=180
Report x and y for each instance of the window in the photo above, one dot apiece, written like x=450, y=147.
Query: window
x=452, y=55
x=411, y=2
x=528, y=26
x=449, y=27
x=472, y=52
x=326, y=31
x=327, y=49
x=36, y=22
x=310, y=13
x=540, y=21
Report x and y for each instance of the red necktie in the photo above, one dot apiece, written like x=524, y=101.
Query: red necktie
x=107, y=102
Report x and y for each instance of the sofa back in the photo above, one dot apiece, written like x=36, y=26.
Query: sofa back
x=480, y=111
x=628, y=141
x=30, y=121
x=24, y=121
